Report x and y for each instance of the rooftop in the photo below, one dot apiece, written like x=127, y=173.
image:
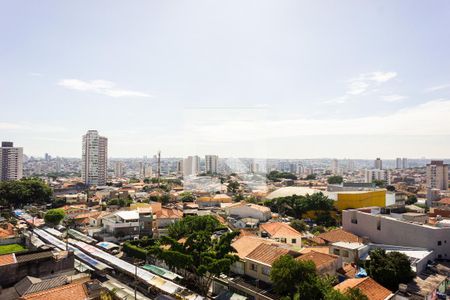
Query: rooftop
x=339, y=235
x=279, y=229
x=128, y=214
x=368, y=286
x=268, y=253
x=318, y=258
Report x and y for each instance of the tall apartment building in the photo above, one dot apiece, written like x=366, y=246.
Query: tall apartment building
x=335, y=167
x=118, y=169
x=211, y=163
x=11, y=162
x=94, y=158
x=376, y=174
x=378, y=164
x=191, y=165
x=398, y=163
x=437, y=175
x=405, y=163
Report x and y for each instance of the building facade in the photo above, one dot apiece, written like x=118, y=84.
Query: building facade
x=11, y=162
x=191, y=166
x=211, y=164
x=94, y=158
x=437, y=175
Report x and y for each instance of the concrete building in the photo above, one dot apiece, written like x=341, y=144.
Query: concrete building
x=249, y=210
x=11, y=162
x=378, y=164
x=437, y=175
x=281, y=232
x=376, y=174
x=386, y=229
x=405, y=163
x=211, y=163
x=335, y=167
x=122, y=224
x=191, y=166
x=398, y=163
x=118, y=169
x=94, y=158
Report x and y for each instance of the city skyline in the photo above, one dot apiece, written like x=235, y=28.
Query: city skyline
x=258, y=81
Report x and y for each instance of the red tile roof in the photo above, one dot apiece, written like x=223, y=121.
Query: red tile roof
x=445, y=201
x=279, y=229
x=318, y=258
x=268, y=253
x=74, y=291
x=339, y=235
x=7, y=259
x=368, y=286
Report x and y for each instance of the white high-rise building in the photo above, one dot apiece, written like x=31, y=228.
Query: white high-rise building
x=191, y=165
x=118, y=169
x=211, y=164
x=405, y=163
x=378, y=164
x=376, y=174
x=398, y=163
x=11, y=162
x=335, y=167
x=94, y=158
x=437, y=175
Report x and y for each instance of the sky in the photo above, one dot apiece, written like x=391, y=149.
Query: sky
x=237, y=78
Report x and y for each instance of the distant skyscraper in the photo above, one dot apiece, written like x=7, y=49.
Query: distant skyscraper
x=398, y=163
x=191, y=165
x=378, y=164
x=11, y=162
x=118, y=169
x=94, y=158
x=211, y=163
x=405, y=163
x=437, y=175
x=335, y=167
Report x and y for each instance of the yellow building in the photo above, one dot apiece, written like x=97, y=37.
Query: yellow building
x=358, y=199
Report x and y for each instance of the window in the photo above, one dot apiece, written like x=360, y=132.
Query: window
x=283, y=240
x=439, y=243
x=344, y=253
x=294, y=241
x=266, y=271
x=254, y=267
x=355, y=221
x=336, y=252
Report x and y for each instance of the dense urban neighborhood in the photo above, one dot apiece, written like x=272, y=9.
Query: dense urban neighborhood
x=195, y=228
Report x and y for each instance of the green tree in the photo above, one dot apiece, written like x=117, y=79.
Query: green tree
x=335, y=179
x=187, y=197
x=299, y=225
x=411, y=199
x=379, y=183
x=17, y=193
x=54, y=216
x=199, y=257
x=287, y=273
x=233, y=186
x=311, y=177
x=389, y=269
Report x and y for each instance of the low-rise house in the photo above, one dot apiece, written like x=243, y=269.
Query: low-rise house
x=164, y=218
x=258, y=263
x=7, y=230
x=281, y=232
x=216, y=201
x=367, y=286
x=122, y=224
x=336, y=235
x=426, y=285
x=326, y=264
x=249, y=210
x=36, y=263
x=349, y=252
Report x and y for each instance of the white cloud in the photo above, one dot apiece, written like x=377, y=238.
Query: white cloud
x=438, y=87
x=35, y=74
x=102, y=87
x=429, y=119
x=392, y=98
x=363, y=84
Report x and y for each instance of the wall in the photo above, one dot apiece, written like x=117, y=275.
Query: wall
x=394, y=232
x=363, y=199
